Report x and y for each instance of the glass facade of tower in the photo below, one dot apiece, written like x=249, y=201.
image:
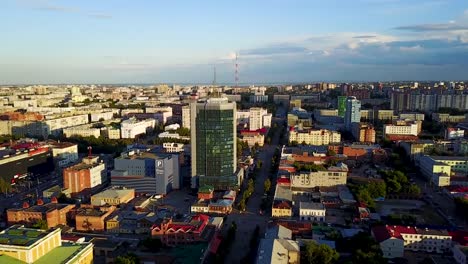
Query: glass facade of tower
x=341, y=106
x=215, y=149
x=353, y=112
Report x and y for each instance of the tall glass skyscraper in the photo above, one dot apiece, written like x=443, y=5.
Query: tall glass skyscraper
x=213, y=143
x=352, y=113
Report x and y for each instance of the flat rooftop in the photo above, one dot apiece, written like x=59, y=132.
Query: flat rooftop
x=20, y=236
x=113, y=193
x=62, y=254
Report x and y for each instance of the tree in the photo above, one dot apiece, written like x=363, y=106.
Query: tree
x=41, y=224
x=320, y=254
x=267, y=185
x=5, y=187
x=152, y=244
x=130, y=258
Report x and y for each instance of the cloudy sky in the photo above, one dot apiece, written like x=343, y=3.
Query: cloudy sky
x=180, y=41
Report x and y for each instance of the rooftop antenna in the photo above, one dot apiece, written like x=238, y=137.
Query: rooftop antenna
x=216, y=92
x=90, y=149
x=236, y=77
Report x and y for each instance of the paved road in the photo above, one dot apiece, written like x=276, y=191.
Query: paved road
x=247, y=221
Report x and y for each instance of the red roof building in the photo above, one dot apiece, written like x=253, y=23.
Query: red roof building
x=174, y=233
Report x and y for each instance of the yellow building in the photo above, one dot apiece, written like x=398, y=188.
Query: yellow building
x=113, y=196
x=26, y=245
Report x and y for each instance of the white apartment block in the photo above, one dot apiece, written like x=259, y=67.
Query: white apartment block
x=315, y=137
x=312, y=211
x=394, y=240
x=186, y=116
x=132, y=127
x=332, y=177
x=82, y=131
x=24, y=103
x=64, y=152
x=56, y=125
x=103, y=116
x=256, y=118
x=400, y=129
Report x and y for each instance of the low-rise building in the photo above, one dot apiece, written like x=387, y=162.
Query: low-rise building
x=335, y=175
x=312, y=211
x=92, y=218
x=278, y=248
x=173, y=147
x=190, y=230
x=25, y=245
x=53, y=213
x=454, y=133
x=252, y=138
x=394, y=240
x=113, y=196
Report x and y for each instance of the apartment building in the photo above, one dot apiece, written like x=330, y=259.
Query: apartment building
x=132, y=127
x=64, y=153
x=394, y=240
x=402, y=127
x=439, y=169
x=88, y=174
x=335, y=175
x=447, y=118
x=315, y=137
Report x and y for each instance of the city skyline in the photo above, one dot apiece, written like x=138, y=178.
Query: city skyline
x=53, y=42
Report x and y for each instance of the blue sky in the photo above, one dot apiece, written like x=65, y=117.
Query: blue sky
x=179, y=41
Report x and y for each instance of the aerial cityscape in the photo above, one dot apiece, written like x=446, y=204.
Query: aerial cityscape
x=279, y=132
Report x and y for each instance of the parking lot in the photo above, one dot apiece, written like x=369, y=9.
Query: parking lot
x=422, y=212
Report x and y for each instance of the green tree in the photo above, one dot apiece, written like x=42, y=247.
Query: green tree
x=320, y=254
x=5, y=187
x=267, y=185
x=41, y=224
x=130, y=258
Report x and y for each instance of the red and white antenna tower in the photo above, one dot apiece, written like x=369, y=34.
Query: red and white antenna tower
x=237, y=71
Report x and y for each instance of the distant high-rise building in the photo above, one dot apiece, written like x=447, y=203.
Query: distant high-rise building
x=214, y=148
x=353, y=112
x=186, y=116
x=341, y=105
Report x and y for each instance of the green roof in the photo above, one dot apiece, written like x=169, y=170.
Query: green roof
x=60, y=254
x=206, y=189
x=10, y=260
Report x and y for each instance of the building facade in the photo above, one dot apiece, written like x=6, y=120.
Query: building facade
x=213, y=143
x=353, y=112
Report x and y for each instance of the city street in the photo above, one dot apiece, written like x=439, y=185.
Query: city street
x=248, y=220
